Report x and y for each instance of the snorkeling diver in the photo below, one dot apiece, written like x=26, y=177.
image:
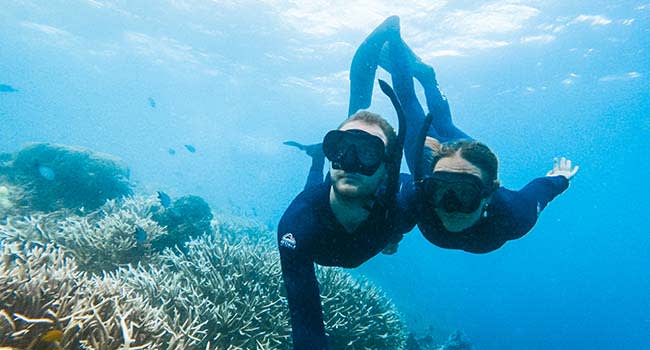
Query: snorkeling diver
x=461, y=204
x=343, y=221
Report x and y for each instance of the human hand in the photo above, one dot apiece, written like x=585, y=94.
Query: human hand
x=391, y=248
x=564, y=168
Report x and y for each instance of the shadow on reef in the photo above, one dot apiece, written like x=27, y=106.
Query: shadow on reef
x=104, y=269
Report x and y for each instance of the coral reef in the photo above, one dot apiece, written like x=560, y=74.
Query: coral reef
x=357, y=315
x=97, y=279
x=41, y=290
x=58, y=176
x=86, y=265
x=186, y=218
x=119, y=233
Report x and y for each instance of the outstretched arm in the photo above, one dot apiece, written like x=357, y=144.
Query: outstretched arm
x=307, y=328
x=315, y=151
x=528, y=203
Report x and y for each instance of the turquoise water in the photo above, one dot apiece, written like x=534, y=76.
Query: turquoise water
x=532, y=79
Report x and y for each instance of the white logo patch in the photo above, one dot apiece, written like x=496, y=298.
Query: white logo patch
x=288, y=241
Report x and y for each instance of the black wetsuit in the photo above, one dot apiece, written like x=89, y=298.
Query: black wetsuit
x=510, y=214
x=309, y=233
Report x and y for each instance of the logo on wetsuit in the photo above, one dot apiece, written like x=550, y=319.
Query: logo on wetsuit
x=288, y=241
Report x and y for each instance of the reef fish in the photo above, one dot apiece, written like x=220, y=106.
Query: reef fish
x=164, y=199
x=52, y=336
x=46, y=172
x=190, y=148
x=171, y=151
x=140, y=235
x=7, y=88
x=152, y=102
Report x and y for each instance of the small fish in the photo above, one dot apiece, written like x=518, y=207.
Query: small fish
x=171, y=151
x=140, y=235
x=164, y=199
x=54, y=335
x=152, y=102
x=190, y=148
x=7, y=88
x=46, y=172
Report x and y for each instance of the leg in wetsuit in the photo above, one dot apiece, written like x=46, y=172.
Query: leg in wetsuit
x=385, y=48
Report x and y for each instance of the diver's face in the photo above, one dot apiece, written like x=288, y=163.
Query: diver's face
x=458, y=221
x=355, y=185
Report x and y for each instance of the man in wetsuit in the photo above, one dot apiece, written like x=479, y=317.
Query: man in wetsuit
x=344, y=221
x=460, y=202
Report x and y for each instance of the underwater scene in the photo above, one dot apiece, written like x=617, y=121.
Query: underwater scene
x=180, y=174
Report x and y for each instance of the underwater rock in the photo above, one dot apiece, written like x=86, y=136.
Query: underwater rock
x=185, y=218
x=58, y=176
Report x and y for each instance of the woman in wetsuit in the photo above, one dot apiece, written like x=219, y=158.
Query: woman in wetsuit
x=460, y=202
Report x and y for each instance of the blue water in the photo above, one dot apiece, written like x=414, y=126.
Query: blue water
x=532, y=79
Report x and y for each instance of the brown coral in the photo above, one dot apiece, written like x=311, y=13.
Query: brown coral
x=41, y=289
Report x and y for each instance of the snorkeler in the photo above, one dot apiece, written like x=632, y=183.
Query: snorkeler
x=460, y=202
x=344, y=221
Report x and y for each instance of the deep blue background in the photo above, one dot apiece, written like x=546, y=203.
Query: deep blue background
x=237, y=79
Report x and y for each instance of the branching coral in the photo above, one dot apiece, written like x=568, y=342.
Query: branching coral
x=235, y=287
x=241, y=286
x=221, y=291
x=101, y=240
x=12, y=200
x=357, y=314
x=41, y=289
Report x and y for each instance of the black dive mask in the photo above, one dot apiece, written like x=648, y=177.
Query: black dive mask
x=354, y=151
x=454, y=192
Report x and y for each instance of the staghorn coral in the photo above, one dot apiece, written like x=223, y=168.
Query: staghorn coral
x=357, y=314
x=12, y=199
x=101, y=240
x=41, y=289
x=234, y=287
x=222, y=291
x=240, y=283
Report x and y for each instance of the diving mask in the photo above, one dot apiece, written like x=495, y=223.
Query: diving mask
x=454, y=192
x=354, y=151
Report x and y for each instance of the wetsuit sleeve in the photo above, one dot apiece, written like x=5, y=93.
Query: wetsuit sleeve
x=526, y=204
x=308, y=331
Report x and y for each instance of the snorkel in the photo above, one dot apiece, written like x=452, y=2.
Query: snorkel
x=418, y=173
x=394, y=154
